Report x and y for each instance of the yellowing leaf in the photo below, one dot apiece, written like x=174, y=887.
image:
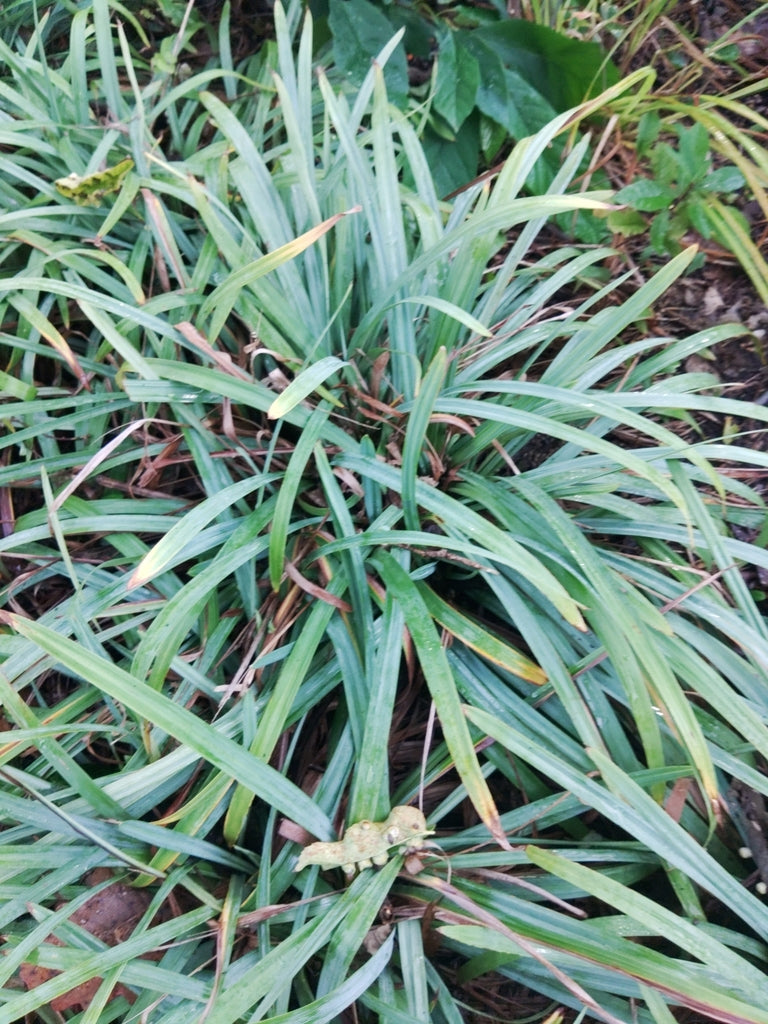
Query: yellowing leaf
x=90, y=189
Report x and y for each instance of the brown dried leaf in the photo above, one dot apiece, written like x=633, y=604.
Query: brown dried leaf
x=111, y=915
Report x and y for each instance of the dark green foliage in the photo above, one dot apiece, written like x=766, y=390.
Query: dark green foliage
x=322, y=495
x=494, y=78
x=360, y=30
x=680, y=188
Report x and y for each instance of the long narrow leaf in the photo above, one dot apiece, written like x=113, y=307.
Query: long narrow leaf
x=189, y=730
x=442, y=687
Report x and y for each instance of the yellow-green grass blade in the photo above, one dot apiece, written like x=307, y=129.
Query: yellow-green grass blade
x=304, y=383
x=416, y=430
x=93, y=965
x=480, y=640
x=265, y=980
x=465, y=522
x=161, y=642
x=188, y=820
x=442, y=687
x=728, y=966
x=655, y=969
x=273, y=720
x=184, y=530
x=626, y=804
x=370, y=796
x=285, y=505
x=730, y=231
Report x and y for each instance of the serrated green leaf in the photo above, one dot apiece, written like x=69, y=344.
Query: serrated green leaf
x=665, y=161
x=695, y=212
x=723, y=179
x=648, y=128
x=646, y=195
x=626, y=222
x=659, y=234
x=694, y=152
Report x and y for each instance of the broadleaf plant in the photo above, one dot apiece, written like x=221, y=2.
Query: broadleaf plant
x=485, y=77
x=680, y=190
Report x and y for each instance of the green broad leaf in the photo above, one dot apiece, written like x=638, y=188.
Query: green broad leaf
x=648, y=128
x=565, y=71
x=696, y=214
x=646, y=195
x=453, y=161
x=693, y=150
x=492, y=138
x=723, y=179
x=440, y=127
x=360, y=31
x=303, y=384
x=626, y=222
x=528, y=110
x=492, y=94
x=419, y=36
x=458, y=78
x=512, y=103
x=505, y=95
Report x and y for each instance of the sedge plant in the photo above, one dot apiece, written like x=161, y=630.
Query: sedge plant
x=319, y=499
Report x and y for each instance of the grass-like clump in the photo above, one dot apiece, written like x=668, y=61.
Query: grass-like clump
x=322, y=494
